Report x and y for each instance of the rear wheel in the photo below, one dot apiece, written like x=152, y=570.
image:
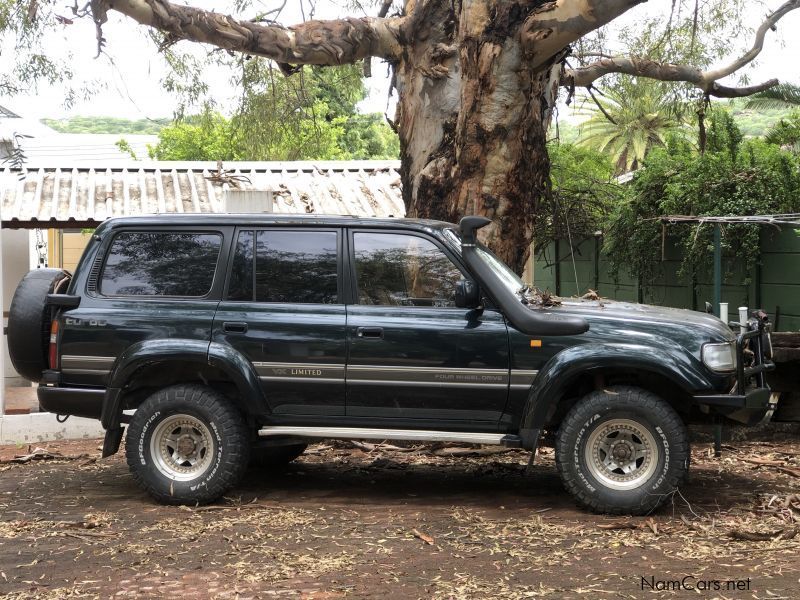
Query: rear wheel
x=187, y=444
x=622, y=451
x=29, y=320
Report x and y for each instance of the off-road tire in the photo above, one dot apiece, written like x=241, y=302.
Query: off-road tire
x=226, y=438
x=29, y=320
x=275, y=457
x=594, y=414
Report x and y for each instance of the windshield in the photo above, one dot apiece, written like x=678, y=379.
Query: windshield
x=504, y=273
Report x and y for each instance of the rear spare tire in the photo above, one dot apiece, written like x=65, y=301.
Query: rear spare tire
x=29, y=320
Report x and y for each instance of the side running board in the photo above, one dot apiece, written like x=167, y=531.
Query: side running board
x=419, y=435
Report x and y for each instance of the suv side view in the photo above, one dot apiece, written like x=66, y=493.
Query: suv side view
x=218, y=340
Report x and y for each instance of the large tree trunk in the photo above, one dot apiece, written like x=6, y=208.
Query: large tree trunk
x=472, y=119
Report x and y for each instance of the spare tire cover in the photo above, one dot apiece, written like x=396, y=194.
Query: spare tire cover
x=29, y=320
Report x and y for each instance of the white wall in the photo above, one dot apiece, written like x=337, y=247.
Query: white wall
x=15, y=251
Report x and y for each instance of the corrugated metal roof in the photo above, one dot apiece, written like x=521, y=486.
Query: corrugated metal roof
x=78, y=196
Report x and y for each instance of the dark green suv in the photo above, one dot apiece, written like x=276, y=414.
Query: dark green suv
x=223, y=339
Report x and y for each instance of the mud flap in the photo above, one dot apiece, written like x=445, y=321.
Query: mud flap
x=112, y=441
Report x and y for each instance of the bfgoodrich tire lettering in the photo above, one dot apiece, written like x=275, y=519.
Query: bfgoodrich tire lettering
x=622, y=450
x=187, y=444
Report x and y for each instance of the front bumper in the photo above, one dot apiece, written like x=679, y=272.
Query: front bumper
x=752, y=408
x=746, y=404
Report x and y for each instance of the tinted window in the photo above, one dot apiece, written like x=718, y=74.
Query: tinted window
x=403, y=270
x=160, y=264
x=296, y=266
x=241, y=284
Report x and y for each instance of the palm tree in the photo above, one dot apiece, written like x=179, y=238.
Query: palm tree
x=628, y=121
x=784, y=95
x=786, y=132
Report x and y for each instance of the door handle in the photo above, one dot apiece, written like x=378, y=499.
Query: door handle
x=234, y=327
x=370, y=333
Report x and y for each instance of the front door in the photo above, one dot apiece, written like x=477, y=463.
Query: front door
x=412, y=353
x=283, y=312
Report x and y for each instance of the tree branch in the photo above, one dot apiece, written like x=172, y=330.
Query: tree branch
x=758, y=45
x=313, y=42
x=555, y=25
x=703, y=80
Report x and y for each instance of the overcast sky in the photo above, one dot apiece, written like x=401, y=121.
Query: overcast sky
x=132, y=70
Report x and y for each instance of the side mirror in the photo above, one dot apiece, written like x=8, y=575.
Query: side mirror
x=468, y=294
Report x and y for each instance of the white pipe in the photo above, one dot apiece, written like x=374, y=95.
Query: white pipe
x=742, y=319
x=723, y=312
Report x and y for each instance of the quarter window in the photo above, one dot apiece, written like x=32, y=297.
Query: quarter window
x=403, y=270
x=160, y=264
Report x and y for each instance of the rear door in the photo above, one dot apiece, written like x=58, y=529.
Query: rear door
x=282, y=310
x=414, y=355
x=163, y=282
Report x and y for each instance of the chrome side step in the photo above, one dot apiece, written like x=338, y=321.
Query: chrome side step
x=417, y=435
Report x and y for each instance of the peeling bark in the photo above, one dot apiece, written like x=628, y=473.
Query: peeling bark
x=332, y=42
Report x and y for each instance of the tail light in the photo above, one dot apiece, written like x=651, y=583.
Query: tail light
x=52, y=353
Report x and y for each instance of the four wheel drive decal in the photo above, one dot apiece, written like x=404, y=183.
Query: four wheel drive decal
x=391, y=375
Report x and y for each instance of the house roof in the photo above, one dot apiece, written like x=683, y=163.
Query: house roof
x=47, y=148
x=75, y=196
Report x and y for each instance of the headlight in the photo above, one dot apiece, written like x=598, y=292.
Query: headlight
x=720, y=357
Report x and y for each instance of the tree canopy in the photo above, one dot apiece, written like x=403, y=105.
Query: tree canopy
x=477, y=80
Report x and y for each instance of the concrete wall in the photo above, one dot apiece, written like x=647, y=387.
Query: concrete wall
x=65, y=247
x=16, y=262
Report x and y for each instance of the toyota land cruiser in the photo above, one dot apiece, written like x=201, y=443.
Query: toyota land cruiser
x=219, y=340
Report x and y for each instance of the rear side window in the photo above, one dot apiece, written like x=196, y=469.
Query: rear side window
x=282, y=266
x=160, y=264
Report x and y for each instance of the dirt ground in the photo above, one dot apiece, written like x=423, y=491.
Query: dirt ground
x=345, y=522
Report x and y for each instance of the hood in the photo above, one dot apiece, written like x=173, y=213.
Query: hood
x=705, y=326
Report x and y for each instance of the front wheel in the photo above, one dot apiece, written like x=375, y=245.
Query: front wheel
x=622, y=450
x=187, y=444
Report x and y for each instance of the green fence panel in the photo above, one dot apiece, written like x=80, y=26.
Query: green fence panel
x=779, y=277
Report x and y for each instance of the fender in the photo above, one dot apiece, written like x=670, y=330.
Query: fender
x=200, y=351
x=561, y=370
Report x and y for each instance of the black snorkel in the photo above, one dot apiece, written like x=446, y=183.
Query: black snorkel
x=532, y=321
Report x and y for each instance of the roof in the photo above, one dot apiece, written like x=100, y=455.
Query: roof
x=86, y=196
x=260, y=219
x=47, y=147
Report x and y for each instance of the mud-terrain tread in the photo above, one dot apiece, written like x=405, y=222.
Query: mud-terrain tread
x=234, y=433
x=622, y=398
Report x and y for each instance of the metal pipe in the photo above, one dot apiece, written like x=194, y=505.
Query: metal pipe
x=742, y=319
x=723, y=312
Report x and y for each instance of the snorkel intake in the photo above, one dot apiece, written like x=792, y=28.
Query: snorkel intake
x=529, y=320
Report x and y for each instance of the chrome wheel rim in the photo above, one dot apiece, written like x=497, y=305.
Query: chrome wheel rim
x=621, y=454
x=182, y=447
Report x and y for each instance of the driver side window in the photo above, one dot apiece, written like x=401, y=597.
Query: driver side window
x=394, y=269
